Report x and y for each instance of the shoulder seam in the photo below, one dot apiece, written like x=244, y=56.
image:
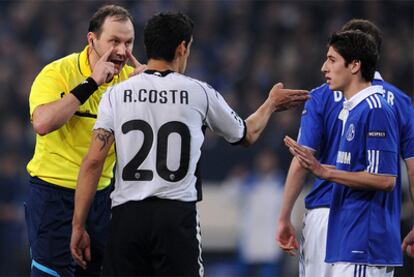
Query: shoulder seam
x=58, y=74
x=205, y=92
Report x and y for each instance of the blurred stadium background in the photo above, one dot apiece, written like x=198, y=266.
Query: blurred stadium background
x=241, y=48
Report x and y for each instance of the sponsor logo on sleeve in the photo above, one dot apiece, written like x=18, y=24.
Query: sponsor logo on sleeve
x=377, y=134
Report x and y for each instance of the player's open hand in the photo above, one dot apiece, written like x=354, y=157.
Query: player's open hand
x=306, y=158
x=286, y=238
x=104, y=70
x=138, y=67
x=283, y=99
x=408, y=244
x=80, y=246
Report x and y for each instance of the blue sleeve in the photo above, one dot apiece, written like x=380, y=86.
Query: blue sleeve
x=382, y=142
x=311, y=124
x=404, y=112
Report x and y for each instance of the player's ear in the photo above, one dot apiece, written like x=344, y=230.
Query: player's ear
x=355, y=66
x=181, y=49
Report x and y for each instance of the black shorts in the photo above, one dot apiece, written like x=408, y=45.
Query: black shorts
x=154, y=237
x=49, y=212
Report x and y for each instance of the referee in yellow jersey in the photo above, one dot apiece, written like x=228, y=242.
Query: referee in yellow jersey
x=64, y=102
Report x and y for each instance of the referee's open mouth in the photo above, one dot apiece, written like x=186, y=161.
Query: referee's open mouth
x=118, y=64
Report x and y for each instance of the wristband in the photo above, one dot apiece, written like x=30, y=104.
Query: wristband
x=85, y=89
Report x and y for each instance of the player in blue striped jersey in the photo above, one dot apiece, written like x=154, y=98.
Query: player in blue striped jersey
x=364, y=212
x=404, y=112
x=319, y=129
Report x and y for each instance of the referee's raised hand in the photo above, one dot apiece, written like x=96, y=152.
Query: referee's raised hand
x=283, y=99
x=138, y=67
x=104, y=70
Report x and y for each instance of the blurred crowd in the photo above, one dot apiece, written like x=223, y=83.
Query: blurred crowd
x=241, y=48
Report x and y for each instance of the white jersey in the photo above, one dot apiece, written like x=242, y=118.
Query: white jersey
x=158, y=120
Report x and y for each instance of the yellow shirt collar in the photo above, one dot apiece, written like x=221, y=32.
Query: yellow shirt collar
x=83, y=62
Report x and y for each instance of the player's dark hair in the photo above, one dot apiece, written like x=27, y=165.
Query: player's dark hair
x=356, y=46
x=164, y=32
x=98, y=19
x=367, y=27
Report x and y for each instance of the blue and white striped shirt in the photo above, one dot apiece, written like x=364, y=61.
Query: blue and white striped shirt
x=364, y=224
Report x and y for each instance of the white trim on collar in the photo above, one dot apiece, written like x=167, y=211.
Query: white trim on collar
x=360, y=96
x=377, y=76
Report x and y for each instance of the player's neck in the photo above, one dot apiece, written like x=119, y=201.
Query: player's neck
x=355, y=87
x=161, y=65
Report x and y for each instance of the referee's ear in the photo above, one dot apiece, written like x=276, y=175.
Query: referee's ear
x=91, y=36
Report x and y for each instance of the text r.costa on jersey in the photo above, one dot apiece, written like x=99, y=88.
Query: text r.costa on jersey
x=155, y=96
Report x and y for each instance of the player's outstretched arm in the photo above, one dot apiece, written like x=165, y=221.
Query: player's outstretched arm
x=49, y=117
x=282, y=99
x=355, y=180
x=88, y=179
x=286, y=234
x=279, y=99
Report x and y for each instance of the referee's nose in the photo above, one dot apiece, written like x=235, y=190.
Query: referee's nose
x=120, y=50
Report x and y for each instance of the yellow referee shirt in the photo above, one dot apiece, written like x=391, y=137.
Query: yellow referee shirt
x=58, y=155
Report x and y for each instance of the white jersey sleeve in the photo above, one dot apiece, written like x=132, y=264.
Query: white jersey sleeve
x=105, y=119
x=221, y=119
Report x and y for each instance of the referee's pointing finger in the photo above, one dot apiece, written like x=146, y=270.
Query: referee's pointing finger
x=138, y=67
x=106, y=55
x=134, y=62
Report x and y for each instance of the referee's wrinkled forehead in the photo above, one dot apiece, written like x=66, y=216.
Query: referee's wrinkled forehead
x=164, y=32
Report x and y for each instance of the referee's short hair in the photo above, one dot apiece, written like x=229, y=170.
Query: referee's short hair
x=357, y=46
x=367, y=27
x=164, y=32
x=98, y=19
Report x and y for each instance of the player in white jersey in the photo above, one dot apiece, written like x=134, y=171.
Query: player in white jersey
x=157, y=120
x=363, y=234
